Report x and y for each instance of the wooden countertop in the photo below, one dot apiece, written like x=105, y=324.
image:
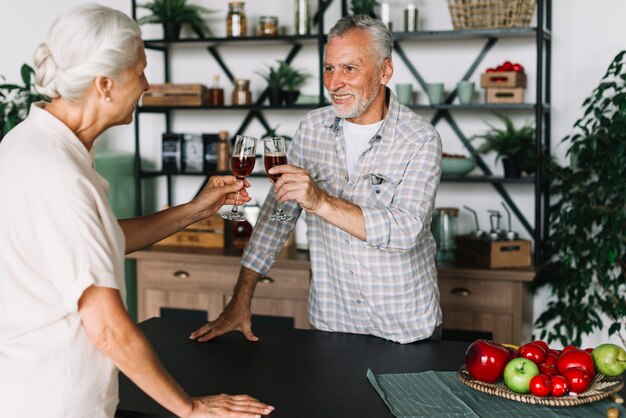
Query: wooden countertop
x=290, y=257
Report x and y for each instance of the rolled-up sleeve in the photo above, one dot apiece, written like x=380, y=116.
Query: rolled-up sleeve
x=399, y=225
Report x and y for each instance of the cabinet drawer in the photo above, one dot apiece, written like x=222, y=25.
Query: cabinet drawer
x=477, y=295
x=187, y=275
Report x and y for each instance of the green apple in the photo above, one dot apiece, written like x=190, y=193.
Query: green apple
x=609, y=359
x=517, y=374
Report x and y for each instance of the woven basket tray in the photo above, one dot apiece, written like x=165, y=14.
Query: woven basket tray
x=601, y=387
x=486, y=14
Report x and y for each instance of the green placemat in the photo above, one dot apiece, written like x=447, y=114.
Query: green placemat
x=441, y=395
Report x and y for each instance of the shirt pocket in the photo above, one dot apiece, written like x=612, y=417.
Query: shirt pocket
x=381, y=189
x=323, y=177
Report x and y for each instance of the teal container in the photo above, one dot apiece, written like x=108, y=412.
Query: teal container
x=118, y=170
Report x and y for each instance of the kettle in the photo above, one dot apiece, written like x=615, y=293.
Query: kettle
x=443, y=231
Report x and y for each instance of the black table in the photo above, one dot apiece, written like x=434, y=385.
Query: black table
x=302, y=373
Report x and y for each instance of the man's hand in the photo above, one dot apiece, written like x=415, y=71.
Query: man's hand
x=296, y=184
x=235, y=317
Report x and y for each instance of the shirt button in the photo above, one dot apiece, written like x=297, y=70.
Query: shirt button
x=364, y=154
x=377, y=191
x=347, y=241
x=358, y=301
x=346, y=178
x=351, y=272
x=341, y=147
x=378, y=136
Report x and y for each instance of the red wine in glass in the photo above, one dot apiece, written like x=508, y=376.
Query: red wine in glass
x=272, y=160
x=242, y=163
x=242, y=166
x=275, y=154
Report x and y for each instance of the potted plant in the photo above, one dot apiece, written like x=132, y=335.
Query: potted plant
x=293, y=80
x=585, y=254
x=275, y=80
x=364, y=7
x=15, y=100
x=515, y=146
x=172, y=14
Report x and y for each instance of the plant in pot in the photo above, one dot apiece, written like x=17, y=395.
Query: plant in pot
x=585, y=253
x=172, y=14
x=364, y=7
x=275, y=78
x=515, y=146
x=15, y=100
x=293, y=80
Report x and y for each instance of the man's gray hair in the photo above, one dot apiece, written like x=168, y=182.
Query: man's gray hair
x=382, y=42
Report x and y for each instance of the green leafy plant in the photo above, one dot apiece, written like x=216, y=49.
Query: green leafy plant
x=510, y=142
x=586, y=250
x=363, y=7
x=284, y=77
x=15, y=100
x=176, y=11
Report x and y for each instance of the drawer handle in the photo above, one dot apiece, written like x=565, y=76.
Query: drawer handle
x=266, y=279
x=181, y=274
x=460, y=291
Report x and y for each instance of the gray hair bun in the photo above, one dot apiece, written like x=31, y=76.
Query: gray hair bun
x=45, y=71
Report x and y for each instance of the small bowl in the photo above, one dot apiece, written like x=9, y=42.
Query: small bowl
x=457, y=167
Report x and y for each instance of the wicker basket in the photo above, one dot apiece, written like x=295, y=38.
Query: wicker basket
x=485, y=14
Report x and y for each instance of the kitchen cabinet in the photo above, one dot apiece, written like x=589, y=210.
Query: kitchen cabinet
x=203, y=280
x=493, y=301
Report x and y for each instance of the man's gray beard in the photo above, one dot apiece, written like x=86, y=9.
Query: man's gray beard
x=358, y=108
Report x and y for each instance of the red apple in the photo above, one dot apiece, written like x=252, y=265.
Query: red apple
x=576, y=358
x=589, y=350
x=485, y=360
x=578, y=379
x=548, y=368
x=551, y=358
x=507, y=66
x=541, y=385
x=542, y=344
x=568, y=348
x=533, y=352
x=518, y=68
x=560, y=386
x=553, y=351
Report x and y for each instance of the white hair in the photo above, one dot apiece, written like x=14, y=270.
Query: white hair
x=90, y=41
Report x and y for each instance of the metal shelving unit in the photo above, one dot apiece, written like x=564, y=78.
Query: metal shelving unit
x=541, y=35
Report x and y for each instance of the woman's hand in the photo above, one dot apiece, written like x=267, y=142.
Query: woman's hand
x=220, y=191
x=231, y=406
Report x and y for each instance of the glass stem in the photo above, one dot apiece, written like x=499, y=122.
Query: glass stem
x=234, y=209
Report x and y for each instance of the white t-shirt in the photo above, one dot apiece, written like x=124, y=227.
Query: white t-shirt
x=357, y=138
x=58, y=237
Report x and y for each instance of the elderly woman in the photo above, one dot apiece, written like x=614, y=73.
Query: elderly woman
x=64, y=330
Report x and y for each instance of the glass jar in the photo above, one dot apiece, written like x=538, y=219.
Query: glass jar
x=303, y=17
x=241, y=92
x=268, y=26
x=236, y=20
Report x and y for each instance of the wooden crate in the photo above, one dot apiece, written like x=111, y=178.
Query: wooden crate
x=503, y=79
x=175, y=95
x=504, y=95
x=493, y=254
x=208, y=234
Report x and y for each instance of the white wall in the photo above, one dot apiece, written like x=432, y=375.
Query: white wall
x=586, y=36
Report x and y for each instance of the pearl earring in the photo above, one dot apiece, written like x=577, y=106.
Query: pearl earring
x=108, y=99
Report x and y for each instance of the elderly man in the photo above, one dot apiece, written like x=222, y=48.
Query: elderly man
x=366, y=171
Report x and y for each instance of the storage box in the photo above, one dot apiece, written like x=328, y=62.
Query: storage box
x=492, y=254
x=208, y=234
x=169, y=94
x=504, y=95
x=503, y=79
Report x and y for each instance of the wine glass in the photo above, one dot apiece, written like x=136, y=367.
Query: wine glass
x=275, y=154
x=242, y=163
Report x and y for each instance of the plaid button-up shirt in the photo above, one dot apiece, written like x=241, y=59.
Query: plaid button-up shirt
x=384, y=286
